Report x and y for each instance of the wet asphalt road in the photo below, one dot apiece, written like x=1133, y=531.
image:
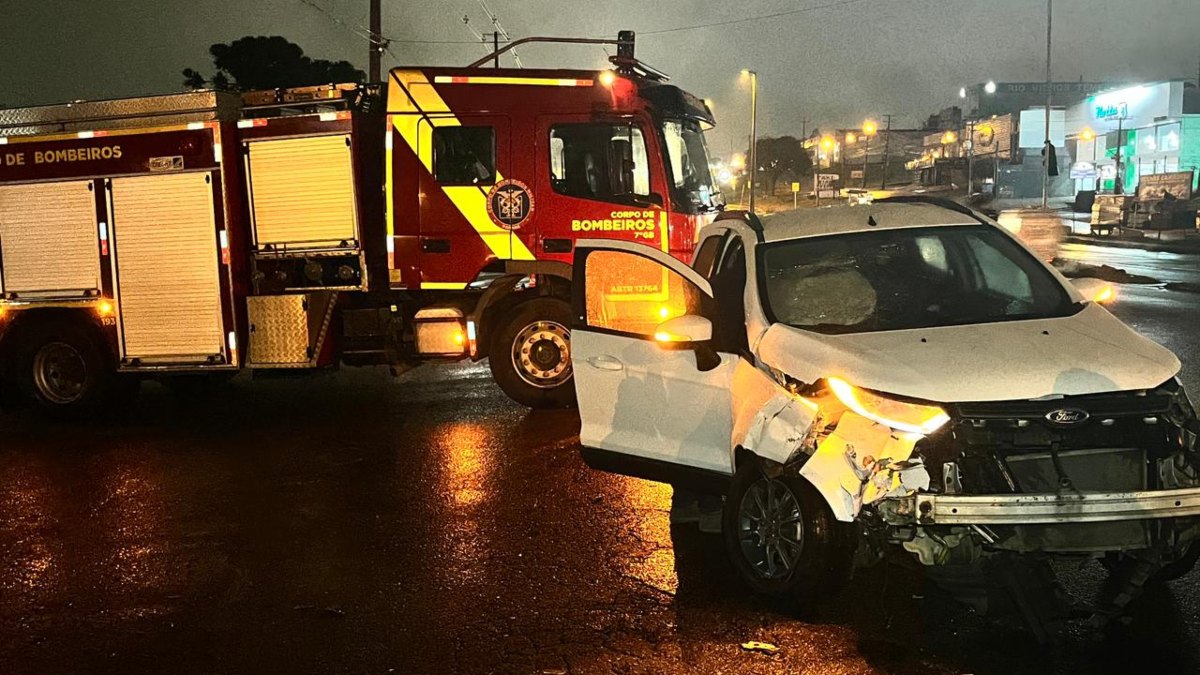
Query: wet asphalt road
x=354, y=524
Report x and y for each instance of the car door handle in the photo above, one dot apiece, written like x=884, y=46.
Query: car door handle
x=605, y=363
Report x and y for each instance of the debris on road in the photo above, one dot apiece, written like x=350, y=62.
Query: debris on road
x=762, y=647
x=1075, y=269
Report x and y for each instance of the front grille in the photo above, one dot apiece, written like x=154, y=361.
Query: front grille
x=1011, y=446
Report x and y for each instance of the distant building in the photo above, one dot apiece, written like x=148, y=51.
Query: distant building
x=1013, y=97
x=1155, y=125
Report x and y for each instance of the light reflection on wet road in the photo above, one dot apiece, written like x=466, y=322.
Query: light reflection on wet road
x=356, y=524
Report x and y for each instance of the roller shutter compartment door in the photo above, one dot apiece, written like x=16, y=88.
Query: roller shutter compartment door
x=303, y=192
x=165, y=247
x=48, y=240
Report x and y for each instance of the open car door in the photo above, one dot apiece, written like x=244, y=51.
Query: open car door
x=654, y=396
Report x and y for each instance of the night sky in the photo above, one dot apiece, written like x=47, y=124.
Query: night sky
x=833, y=65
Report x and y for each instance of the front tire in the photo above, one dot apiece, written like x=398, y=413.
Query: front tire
x=781, y=536
x=530, y=356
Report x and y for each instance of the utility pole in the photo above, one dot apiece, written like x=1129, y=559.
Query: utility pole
x=1049, y=100
x=887, y=146
x=495, y=47
x=803, y=128
x=376, y=41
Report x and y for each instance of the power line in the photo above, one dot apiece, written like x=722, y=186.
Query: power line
x=761, y=17
x=364, y=33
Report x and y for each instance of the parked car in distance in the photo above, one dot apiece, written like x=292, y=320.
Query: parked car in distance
x=903, y=375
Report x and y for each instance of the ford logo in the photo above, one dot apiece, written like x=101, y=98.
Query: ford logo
x=1067, y=417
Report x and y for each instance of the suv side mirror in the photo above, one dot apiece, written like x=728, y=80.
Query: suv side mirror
x=693, y=333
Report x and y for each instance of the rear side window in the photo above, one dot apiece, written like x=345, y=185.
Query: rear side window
x=464, y=155
x=630, y=294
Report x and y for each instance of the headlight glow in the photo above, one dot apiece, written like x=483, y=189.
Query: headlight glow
x=899, y=415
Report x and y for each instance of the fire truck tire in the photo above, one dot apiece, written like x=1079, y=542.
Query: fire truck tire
x=530, y=356
x=63, y=367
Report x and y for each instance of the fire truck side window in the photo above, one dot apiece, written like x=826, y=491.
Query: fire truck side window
x=605, y=162
x=464, y=155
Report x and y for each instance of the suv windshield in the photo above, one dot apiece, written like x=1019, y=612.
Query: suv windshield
x=692, y=185
x=907, y=278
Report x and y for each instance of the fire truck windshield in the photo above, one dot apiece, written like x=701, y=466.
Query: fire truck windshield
x=692, y=186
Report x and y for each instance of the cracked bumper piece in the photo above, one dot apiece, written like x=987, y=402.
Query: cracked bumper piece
x=1030, y=509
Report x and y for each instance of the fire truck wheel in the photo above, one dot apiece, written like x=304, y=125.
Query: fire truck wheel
x=64, y=370
x=531, y=355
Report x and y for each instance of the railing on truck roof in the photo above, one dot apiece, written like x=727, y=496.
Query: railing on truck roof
x=161, y=110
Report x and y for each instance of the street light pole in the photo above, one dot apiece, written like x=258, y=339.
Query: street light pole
x=753, y=134
x=1049, y=100
x=970, y=143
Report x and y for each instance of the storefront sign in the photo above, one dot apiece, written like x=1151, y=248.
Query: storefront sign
x=1112, y=111
x=823, y=185
x=1153, y=187
x=1083, y=171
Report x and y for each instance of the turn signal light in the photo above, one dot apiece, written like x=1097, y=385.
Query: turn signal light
x=1105, y=295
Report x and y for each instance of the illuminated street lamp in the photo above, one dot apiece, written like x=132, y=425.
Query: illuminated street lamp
x=753, y=76
x=827, y=144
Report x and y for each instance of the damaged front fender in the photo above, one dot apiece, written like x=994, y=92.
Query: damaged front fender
x=861, y=462
x=849, y=459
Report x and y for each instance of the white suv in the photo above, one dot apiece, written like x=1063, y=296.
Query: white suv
x=905, y=374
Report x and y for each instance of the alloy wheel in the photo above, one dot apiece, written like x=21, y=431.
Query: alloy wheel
x=771, y=528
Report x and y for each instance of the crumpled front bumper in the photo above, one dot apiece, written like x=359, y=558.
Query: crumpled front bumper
x=1031, y=509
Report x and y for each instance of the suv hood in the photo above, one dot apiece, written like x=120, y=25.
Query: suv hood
x=1090, y=352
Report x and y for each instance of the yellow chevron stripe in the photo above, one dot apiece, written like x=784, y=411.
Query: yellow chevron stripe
x=405, y=115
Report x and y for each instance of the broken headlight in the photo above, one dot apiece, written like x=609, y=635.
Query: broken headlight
x=917, y=418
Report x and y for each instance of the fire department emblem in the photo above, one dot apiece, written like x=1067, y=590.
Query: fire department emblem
x=509, y=203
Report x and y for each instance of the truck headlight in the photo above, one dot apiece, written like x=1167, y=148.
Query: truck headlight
x=899, y=415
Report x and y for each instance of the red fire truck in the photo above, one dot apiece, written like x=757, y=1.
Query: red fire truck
x=432, y=217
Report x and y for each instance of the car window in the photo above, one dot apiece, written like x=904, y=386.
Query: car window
x=907, y=278
x=631, y=294
x=464, y=155
x=998, y=275
x=706, y=255
x=729, y=292
x=605, y=162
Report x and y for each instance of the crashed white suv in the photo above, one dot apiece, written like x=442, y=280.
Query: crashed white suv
x=905, y=373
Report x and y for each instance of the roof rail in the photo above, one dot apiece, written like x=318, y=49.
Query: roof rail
x=943, y=202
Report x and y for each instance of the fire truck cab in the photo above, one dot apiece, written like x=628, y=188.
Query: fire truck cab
x=432, y=217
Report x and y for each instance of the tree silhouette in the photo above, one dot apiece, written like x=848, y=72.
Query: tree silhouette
x=262, y=62
x=779, y=158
